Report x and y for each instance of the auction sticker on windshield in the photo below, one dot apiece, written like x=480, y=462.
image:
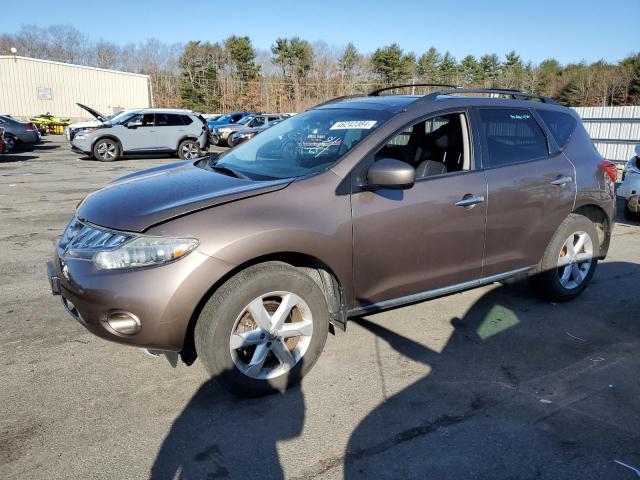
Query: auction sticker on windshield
x=353, y=124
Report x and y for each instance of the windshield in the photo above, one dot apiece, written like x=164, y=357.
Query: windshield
x=304, y=144
x=228, y=118
x=245, y=120
x=120, y=118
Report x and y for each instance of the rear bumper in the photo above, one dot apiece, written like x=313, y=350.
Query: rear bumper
x=163, y=298
x=29, y=137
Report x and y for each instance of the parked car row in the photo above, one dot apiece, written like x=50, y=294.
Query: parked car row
x=149, y=130
x=224, y=128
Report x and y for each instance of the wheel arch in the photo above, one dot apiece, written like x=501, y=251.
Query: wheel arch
x=316, y=269
x=108, y=137
x=186, y=137
x=603, y=224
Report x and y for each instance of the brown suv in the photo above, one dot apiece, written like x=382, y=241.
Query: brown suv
x=249, y=258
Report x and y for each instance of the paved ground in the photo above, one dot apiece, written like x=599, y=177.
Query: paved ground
x=490, y=383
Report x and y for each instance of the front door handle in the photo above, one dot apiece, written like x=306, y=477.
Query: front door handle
x=561, y=181
x=469, y=201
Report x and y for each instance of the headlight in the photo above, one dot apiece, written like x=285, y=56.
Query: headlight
x=84, y=131
x=111, y=249
x=144, y=251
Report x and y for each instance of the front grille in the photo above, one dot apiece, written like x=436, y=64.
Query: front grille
x=81, y=239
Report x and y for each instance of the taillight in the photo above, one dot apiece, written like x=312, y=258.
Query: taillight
x=31, y=127
x=610, y=169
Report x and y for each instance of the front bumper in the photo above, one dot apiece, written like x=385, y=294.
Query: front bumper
x=163, y=298
x=224, y=135
x=81, y=145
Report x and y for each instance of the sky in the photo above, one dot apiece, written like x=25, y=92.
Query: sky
x=569, y=31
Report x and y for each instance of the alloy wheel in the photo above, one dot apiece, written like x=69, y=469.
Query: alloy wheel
x=107, y=151
x=9, y=142
x=190, y=151
x=271, y=335
x=574, y=261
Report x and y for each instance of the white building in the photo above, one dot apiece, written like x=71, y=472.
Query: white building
x=30, y=87
x=615, y=131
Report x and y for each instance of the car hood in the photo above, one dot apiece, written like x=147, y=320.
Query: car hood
x=235, y=126
x=138, y=201
x=92, y=123
x=93, y=112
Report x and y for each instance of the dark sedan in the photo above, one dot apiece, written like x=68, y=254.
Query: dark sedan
x=17, y=132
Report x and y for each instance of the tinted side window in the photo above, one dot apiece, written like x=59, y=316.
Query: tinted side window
x=512, y=136
x=186, y=119
x=162, y=120
x=174, y=120
x=560, y=124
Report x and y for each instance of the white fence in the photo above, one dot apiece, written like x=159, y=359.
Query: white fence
x=615, y=130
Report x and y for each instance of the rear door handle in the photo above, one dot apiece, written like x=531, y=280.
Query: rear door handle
x=561, y=181
x=469, y=201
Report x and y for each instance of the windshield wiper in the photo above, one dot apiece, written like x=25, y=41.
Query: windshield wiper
x=226, y=170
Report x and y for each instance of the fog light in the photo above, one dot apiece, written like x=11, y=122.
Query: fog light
x=124, y=323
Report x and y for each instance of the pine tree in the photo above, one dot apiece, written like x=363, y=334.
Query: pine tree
x=391, y=64
x=428, y=65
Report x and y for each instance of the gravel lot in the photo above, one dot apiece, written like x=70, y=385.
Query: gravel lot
x=490, y=383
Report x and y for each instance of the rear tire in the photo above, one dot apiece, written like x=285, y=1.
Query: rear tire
x=569, y=262
x=189, y=150
x=10, y=142
x=106, y=150
x=236, y=348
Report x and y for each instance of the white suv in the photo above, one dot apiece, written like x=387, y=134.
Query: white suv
x=150, y=130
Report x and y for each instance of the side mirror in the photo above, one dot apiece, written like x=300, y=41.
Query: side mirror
x=390, y=173
x=132, y=126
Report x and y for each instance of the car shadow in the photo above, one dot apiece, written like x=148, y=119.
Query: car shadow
x=520, y=389
x=220, y=435
x=12, y=158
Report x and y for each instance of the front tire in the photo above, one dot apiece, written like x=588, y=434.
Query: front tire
x=189, y=150
x=263, y=330
x=569, y=262
x=106, y=150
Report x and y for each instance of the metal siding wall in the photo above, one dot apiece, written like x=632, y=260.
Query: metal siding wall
x=104, y=90
x=615, y=130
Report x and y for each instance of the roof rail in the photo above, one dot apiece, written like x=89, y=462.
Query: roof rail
x=515, y=94
x=376, y=93
x=338, y=99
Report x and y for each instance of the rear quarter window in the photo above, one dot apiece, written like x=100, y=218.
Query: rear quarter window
x=186, y=119
x=561, y=125
x=511, y=136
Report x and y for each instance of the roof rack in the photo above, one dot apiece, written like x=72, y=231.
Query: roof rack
x=376, y=93
x=513, y=93
x=455, y=89
x=338, y=99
